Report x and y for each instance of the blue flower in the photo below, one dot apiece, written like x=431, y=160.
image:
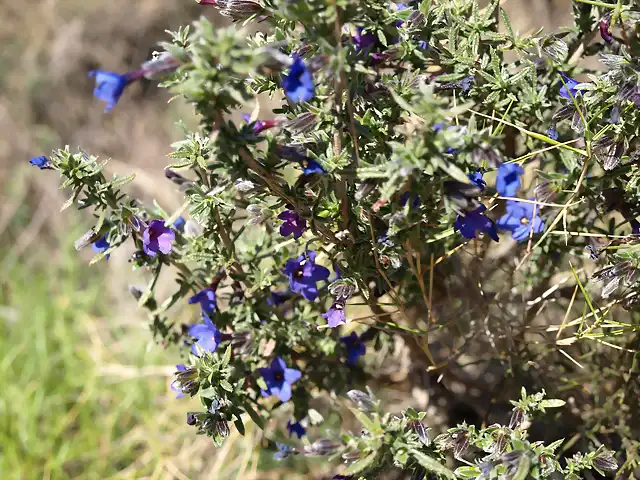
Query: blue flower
x=520, y=220
x=179, y=224
x=157, y=238
x=278, y=298
x=310, y=166
x=109, y=86
x=174, y=385
x=406, y=196
x=475, y=221
x=335, y=316
x=279, y=379
x=207, y=300
x=298, y=85
x=41, y=162
x=284, y=451
x=569, y=86
x=101, y=245
x=303, y=274
x=292, y=224
x=355, y=347
x=552, y=133
x=296, y=428
x=476, y=178
x=508, y=179
x=207, y=336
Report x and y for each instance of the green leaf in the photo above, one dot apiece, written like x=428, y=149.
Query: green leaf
x=226, y=385
x=226, y=358
x=147, y=295
x=257, y=419
x=431, y=464
x=361, y=464
x=118, y=182
x=523, y=468
x=239, y=425
x=467, y=472
x=552, y=403
x=507, y=22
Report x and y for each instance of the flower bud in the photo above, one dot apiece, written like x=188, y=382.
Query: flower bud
x=161, y=63
x=517, y=417
x=238, y=9
x=85, y=240
x=321, y=447
x=605, y=462
x=362, y=400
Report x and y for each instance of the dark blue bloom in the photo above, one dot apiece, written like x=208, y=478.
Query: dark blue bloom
x=278, y=298
x=568, y=89
x=303, y=274
x=109, y=86
x=310, y=166
x=552, y=133
x=157, y=238
x=41, y=162
x=174, y=385
x=207, y=300
x=635, y=227
x=508, y=179
x=476, y=178
x=279, y=379
x=179, y=224
x=405, y=198
x=335, y=316
x=298, y=84
x=296, y=428
x=475, y=221
x=207, y=336
x=284, y=451
x=101, y=245
x=520, y=220
x=292, y=224
x=355, y=347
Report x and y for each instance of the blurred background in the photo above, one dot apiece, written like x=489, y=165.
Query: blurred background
x=84, y=391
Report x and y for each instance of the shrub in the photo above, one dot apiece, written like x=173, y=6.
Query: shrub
x=434, y=192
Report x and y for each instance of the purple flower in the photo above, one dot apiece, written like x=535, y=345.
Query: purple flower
x=363, y=41
x=207, y=300
x=174, y=385
x=278, y=298
x=605, y=31
x=101, y=245
x=355, y=347
x=110, y=85
x=475, y=221
x=520, y=220
x=41, y=162
x=568, y=89
x=279, y=379
x=335, y=316
x=157, y=238
x=292, y=223
x=476, y=178
x=296, y=428
x=298, y=84
x=207, y=336
x=303, y=274
x=508, y=179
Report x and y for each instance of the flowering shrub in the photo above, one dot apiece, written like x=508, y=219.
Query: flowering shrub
x=357, y=225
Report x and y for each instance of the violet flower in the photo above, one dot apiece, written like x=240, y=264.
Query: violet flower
x=157, y=238
x=279, y=379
